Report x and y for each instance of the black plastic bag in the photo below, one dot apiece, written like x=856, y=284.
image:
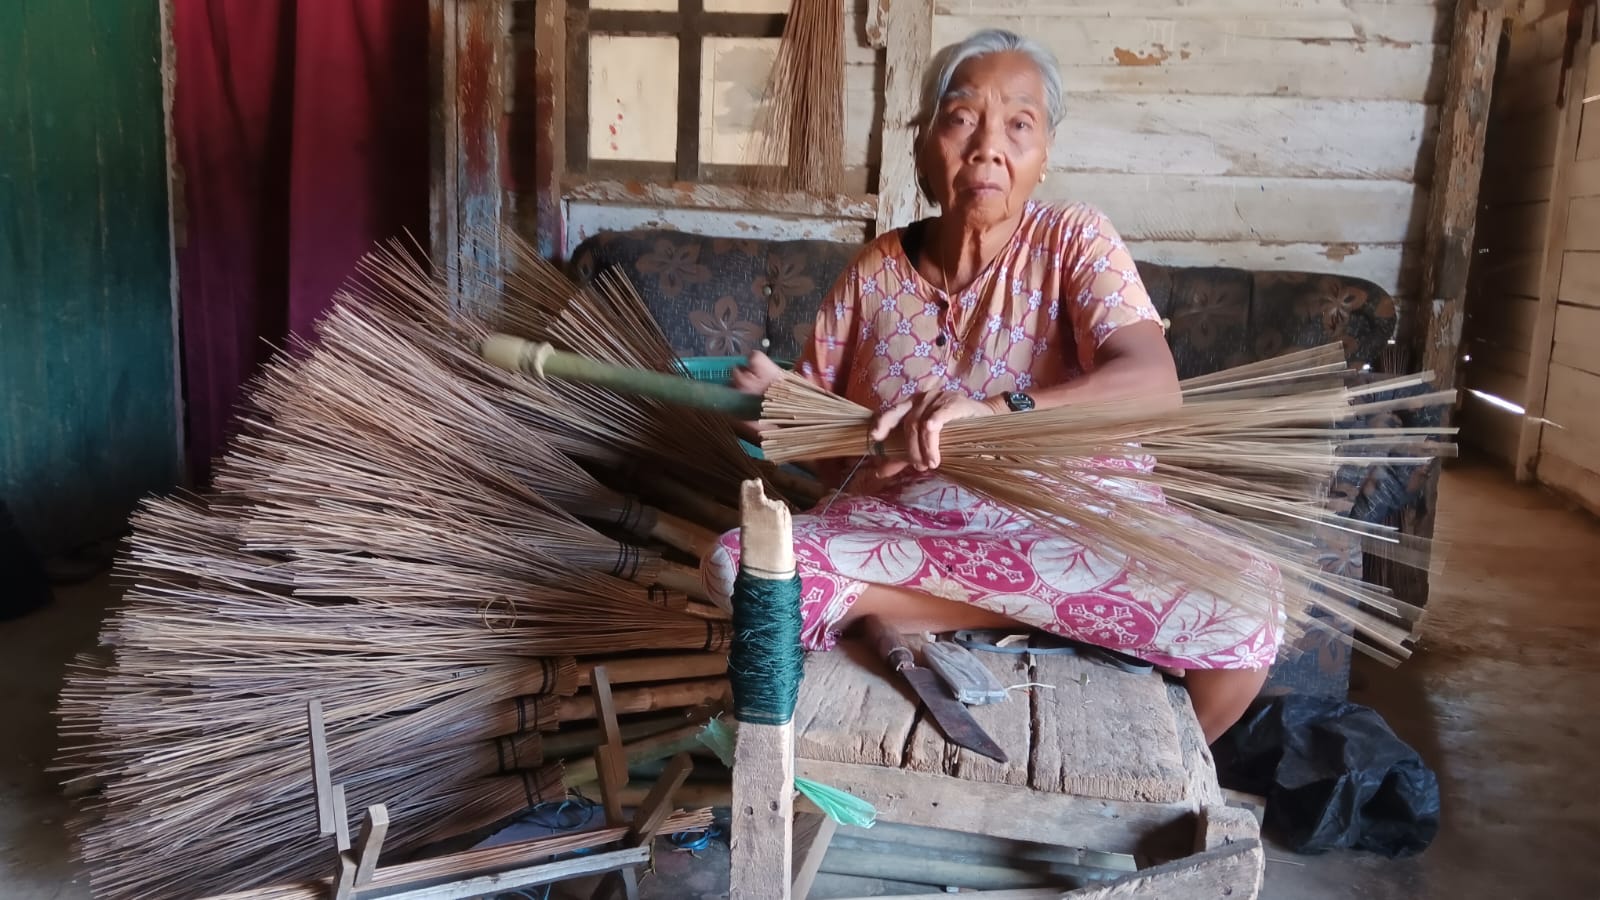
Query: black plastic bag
x=1334, y=775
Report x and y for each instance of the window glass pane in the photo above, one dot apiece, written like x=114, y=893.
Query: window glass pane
x=747, y=6
x=733, y=77
x=638, y=5
x=633, y=97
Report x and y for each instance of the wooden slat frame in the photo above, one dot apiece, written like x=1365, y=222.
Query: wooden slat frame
x=1573, y=90
x=691, y=24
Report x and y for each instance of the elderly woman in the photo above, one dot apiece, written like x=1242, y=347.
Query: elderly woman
x=996, y=306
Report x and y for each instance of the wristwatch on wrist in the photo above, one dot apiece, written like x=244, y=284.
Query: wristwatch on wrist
x=1017, y=401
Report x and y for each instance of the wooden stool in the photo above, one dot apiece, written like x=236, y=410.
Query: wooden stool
x=1101, y=759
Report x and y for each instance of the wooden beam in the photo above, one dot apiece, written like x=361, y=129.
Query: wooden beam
x=681, y=195
x=908, y=29
x=762, y=846
x=1453, y=200
x=467, y=43
x=1555, y=246
x=813, y=832
x=550, y=125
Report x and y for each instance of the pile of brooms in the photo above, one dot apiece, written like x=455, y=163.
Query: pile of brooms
x=440, y=551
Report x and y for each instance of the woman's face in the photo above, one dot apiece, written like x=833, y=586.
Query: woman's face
x=988, y=142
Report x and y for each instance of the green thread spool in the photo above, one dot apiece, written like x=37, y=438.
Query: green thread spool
x=766, y=662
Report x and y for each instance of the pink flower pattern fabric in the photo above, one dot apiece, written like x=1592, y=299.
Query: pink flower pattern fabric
x=1034, y=317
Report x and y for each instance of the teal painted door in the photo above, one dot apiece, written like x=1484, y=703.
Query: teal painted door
x=88, y=409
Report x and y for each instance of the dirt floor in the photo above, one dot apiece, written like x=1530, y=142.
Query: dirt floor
x=1502, y=699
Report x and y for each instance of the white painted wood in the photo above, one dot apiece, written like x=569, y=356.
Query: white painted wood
x=1226, y=55
x=587, y=219
x=733, y=74
x=1267, y=136
x=633, y=97
x=1224, y=208
x=1382, y=264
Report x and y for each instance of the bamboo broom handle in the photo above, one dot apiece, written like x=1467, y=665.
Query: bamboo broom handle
x=541, y=360
x=683, y=579
x=657, y=747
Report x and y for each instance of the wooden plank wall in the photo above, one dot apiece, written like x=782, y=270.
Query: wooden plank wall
x=88, y=377
x=1568, y=449
x=1252, y=133
x=1519, y=162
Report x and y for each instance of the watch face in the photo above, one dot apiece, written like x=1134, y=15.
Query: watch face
x=1019, y=402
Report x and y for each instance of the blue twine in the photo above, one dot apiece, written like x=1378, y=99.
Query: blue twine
x=766, y=661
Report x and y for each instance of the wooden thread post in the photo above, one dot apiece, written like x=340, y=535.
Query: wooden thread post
x=762, y=845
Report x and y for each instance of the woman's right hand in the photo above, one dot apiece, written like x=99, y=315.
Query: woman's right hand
x=757, y=374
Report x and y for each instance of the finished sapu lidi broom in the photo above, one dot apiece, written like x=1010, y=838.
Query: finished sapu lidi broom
x=436, y=551
x=1242, y=463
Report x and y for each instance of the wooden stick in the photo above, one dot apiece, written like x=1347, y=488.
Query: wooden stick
x=762, y=845
x=813, y=834
x=370, y=845
x=319, y=767
x=632, y=670
x=341, y=820
x=655, y=808
x=647, y=699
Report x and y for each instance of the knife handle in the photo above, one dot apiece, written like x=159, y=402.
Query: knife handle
x=888, y=643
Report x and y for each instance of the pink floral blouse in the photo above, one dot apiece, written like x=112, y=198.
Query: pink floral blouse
x=1033, y=317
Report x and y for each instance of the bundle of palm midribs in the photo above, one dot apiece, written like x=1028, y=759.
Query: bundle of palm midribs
x=1222, y=491
x=432, y=552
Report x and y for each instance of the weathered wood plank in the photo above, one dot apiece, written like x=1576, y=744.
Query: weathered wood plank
x=1505, y=321
x=1236, y=54
x=1580, y=278
x=1527, y=89
x=1453, y=201
x=1222, y=825
x=1573, y=405
x=468, y=38
x=909, y=45
x=1008, y=722
x=1521, y=145
x=1163, y=207
x=1261, y=136
x=587, y=219
x=1555, y=229
x=1583, y=224
x=851, y=711
x=1566, y=464
x=1102, y=732
x=1390, y=266
x=1511, y=272
x=1577, y=341
x=1586, y=174
x=1198, y=764
x=1589, y=141
x=1008, y=811
x=1517, y=228
x=731, y=198
x=89, y=412
x=549, y=148
x=813, y=832
x=1233, y=871
x=1490, y=428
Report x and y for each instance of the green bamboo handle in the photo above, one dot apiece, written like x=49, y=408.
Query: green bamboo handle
x=541, y=360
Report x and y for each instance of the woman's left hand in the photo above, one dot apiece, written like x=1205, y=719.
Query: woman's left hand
x=922, y=419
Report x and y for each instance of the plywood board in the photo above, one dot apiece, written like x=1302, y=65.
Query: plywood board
x=1577, y=343
x=1238, y=55
x=1263, y=136
x=587, y=219
x=1167, y=207
x=1580, y=276
x=1572, y=404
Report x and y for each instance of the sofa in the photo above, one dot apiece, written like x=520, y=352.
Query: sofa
x=715, y=296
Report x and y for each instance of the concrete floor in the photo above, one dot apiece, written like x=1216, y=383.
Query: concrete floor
x=1502, y=699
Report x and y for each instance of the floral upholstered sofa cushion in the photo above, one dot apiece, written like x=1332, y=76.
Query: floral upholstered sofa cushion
x=726, y=297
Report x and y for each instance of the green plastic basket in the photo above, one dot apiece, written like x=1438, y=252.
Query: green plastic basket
x=719, y=370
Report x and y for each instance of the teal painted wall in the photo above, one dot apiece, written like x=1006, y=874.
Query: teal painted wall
x=88, y=416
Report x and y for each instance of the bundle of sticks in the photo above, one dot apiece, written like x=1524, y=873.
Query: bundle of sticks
x=437, y=551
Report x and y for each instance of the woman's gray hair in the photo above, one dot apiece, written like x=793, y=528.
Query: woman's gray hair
x=983, y=43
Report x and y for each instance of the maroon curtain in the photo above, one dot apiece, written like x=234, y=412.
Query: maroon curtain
x=302, y=140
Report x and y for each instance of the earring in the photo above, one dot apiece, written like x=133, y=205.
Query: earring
x=1041, y=177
